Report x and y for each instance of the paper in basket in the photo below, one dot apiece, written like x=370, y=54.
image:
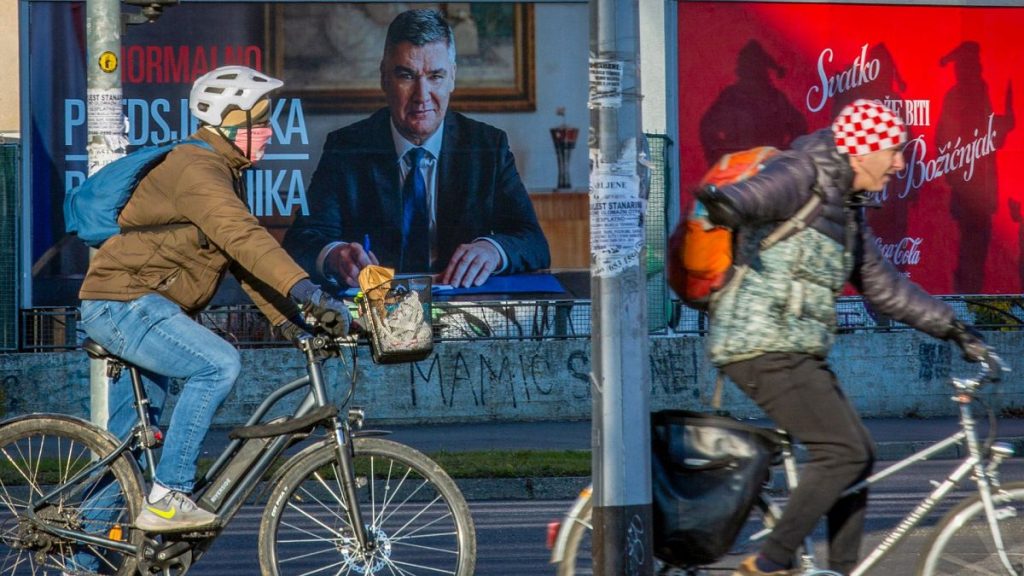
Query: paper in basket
x=397, y=313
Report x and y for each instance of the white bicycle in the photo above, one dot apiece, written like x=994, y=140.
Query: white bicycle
x=982, y=534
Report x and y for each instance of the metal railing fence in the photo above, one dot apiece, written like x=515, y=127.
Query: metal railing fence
x=47, y=329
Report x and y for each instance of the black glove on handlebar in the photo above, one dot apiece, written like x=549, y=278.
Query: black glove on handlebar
x=292, y=331
x=331, y=314
x=970, y=342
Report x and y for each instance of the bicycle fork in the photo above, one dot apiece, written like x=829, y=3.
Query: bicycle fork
x=345, y=470
x=999, y=452
x=986, y=478
x=346, y=473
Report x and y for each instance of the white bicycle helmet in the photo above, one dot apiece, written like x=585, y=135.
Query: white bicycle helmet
x=227, y=88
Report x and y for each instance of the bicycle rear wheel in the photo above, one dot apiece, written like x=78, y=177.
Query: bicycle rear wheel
x=578, y=559
x=962, y=543
x=39, y=453
x=578, y=556
x=415, y=514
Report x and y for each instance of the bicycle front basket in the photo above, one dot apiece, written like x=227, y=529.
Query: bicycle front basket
x=397, y=315
x=707, y=472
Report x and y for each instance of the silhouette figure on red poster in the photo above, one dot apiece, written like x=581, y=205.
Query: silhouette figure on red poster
x=751, y=112
x=1015, y=214
x=967, y=122
x=888, y=88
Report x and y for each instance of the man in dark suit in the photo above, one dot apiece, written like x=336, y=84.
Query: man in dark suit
x=414, y=186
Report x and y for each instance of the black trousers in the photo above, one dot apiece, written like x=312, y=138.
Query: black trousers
x=801, y=394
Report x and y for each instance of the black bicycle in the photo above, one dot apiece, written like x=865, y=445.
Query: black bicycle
x=350, y=503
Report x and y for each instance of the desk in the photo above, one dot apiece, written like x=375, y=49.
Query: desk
x=565, y=219
x=525, y=315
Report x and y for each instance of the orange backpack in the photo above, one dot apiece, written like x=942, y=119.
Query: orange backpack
x=700, y=253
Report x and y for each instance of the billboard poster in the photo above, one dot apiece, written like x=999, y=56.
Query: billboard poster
x=328, y=55
x=754, y=73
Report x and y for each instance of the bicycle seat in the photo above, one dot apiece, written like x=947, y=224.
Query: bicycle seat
x=95, y=350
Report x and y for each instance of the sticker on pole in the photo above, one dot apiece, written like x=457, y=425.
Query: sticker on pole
x=108, y=61
x=106, y=115
x=616, y=222
x=605, y=83
x=108, y=127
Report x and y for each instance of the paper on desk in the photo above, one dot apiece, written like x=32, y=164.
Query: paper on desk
x=352, y=292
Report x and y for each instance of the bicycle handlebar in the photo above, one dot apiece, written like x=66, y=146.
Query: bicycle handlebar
x=992, y=368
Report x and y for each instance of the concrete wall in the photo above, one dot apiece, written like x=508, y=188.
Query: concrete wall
x=885, y=374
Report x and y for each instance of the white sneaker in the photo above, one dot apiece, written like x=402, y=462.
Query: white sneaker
x=175, y=512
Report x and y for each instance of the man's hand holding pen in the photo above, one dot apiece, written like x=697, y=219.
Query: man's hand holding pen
x=346, y=260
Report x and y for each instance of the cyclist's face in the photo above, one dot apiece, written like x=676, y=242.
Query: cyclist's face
x=871, y=172
x=259, y=136
x=417, y=81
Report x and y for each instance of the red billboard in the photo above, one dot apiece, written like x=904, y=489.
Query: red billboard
x=753, y=73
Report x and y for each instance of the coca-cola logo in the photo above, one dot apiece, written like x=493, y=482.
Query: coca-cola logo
x=860, y=72
x=906, y=252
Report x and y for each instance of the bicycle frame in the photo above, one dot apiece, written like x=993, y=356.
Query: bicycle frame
x=975, y=462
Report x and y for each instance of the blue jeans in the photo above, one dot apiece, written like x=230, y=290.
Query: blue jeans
x=154, y=334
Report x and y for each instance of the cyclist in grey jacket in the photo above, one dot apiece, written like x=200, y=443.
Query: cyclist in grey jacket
x=771, y=331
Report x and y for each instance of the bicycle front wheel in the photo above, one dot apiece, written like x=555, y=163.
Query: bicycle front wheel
x=416, y=517
x=963, y=543
x=40, y=453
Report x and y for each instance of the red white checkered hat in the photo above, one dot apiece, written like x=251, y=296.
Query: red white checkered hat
x=866, y=126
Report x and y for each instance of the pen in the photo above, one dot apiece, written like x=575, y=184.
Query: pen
x=366, y=243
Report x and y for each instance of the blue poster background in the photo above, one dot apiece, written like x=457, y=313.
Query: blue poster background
x=159, y=62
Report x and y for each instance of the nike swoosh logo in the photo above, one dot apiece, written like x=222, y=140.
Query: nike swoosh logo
x=165, y=514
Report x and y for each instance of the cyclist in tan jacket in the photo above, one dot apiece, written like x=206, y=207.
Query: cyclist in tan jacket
x=185, y=225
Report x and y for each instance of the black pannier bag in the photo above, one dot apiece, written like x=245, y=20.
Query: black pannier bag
x=707, y=472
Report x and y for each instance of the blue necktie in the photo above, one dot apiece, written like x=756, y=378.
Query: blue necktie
x=415, y=225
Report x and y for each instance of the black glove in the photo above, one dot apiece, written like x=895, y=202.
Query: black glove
x=291, y=331
x=970, y=342
x=332, y=315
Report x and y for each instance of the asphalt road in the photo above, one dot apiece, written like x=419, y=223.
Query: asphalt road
x=511, y=534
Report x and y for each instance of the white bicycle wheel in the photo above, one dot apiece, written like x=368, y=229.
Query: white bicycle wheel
x=963, y=544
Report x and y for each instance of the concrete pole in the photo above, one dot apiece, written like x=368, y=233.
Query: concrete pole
x=620, y=367
x=107, y=139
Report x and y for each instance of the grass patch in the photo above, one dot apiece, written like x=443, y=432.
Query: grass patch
x=47, y=470
x=474, y=464
x=514, y=464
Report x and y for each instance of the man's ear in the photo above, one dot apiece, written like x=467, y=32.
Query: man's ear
x=381, y=68
x=855, y=164
x=455, y=68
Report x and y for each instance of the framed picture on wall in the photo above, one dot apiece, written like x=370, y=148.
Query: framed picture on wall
x=329, y=54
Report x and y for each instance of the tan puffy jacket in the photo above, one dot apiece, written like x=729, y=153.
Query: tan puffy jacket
x=194, y=189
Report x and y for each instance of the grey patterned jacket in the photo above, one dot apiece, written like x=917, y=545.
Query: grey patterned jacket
x=785, y=302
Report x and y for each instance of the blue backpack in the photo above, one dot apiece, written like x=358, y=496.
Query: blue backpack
x=91, y=208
